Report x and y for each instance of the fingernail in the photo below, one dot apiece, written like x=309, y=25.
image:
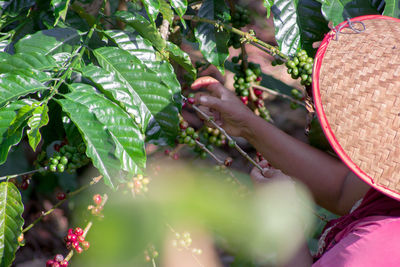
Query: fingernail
x=203, y=99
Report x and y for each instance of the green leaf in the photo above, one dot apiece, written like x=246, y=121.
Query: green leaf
x=50, y=42
x=134, y=43
x=11, y=222
x=13, y=8
x=268, y=4
x=124, y=131
x=213, y=42
x=152, y=8
x=38, y=119
x=392, y=9
x=10, y=135
x=338, y=11
x=14, y=86
x=143, y=27
x=181, y=58
x=99, y=145
x=60, y=9
x=313, y=25
x=287, y=32
x=139, y=47
x=180, y=7
x=166, y=11
x=116, y=90
x=155, y=100
x=27, y=61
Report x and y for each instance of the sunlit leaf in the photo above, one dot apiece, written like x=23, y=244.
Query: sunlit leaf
x=11, y=222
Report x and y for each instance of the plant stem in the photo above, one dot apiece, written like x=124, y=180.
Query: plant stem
x=203, y=147
x=270, y=49
x=230, y=139
x=272, y=92
x=69, y=195
x=24, y=173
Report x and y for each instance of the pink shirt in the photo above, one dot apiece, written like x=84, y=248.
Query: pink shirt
x=370, y=241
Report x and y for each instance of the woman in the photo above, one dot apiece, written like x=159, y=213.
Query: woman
x=368, y=235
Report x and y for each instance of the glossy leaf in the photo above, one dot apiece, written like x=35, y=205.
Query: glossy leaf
x=49, y=42
x=13, y=8
x=116, y=90
x=392, y=9
x=60, y=9
x=11, y=222
x=39, y=118
x=152, y=8
x=212, y=41
x=124, y=131
x=180, y=7
x=13, y=86
x=27, y=61
x=134, y=43
x=99, y=145
x=143, y=27
x=141, y=48
x=313, y=25
x=10, y=135
x=287, y=31
x=182, y=58
x=338, y=11
x=155, y=100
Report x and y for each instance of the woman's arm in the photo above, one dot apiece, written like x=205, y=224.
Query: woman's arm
x=330, y=181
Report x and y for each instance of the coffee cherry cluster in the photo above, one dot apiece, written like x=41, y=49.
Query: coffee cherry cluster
x=301, y=66
x=213, y=136
x=68, y=158
x=244, y=78
x=184, y=241
x=97, y=209
x=58, y=261
x=239, y=19
x=76, y=240
x=138, y=185
x=187, y=134
x=150, y=253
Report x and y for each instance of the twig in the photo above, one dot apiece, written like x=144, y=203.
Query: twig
x=272, y=50
x=24, y=173
x=69, y=195
x=203, y=147
x=272, y=92
x=230, y=139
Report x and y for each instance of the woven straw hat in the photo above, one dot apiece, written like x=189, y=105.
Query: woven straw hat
x=356, y=87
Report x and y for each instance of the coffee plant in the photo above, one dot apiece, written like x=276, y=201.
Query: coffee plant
x=92, y=84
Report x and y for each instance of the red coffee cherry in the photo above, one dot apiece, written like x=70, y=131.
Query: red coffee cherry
x=78, y=231
x=97, y=199
x=61, y=196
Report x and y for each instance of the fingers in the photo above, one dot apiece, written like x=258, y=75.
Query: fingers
x=210, y=84
x=209, y=101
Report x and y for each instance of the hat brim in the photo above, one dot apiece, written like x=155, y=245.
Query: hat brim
x=323, y=118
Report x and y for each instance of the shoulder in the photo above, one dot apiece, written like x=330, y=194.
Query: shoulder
x=373, y=241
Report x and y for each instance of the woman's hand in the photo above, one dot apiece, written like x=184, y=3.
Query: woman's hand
x=227, y=110
x=268, y=175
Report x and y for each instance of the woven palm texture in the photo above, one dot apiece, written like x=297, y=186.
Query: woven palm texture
x=359, y=83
